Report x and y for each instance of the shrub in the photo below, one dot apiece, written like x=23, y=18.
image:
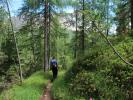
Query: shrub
x=102, y=74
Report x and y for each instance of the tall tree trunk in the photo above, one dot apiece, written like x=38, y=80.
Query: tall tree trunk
x=107, y=16
x=46, y=36
x=83, y=29
x=49, y=32
x=76, y=34
x=16, y=45
x=93, y=22
x=33, y=42
x=131, y=1
x=121, y=19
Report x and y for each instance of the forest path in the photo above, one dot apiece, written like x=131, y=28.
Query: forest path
x=47, y=92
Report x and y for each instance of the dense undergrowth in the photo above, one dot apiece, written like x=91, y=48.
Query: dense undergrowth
x=60, y=89
x=31, y=89
x=100, y=74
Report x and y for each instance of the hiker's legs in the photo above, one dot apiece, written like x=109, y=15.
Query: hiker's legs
x=55, y=71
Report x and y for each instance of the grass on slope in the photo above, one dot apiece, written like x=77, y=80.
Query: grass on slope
x=31, y=89
x=60, y=89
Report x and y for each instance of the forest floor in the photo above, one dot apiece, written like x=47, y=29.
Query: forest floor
x=47, y=92
x=31, y=89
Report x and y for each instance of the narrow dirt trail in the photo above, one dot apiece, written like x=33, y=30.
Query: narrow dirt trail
x=47, y=92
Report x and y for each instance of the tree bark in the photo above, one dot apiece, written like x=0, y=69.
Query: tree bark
x=46, y=36
x=76, y=34
x=131, y=1
x=49, y=33
x=92, y=25
x=16, y=45
x=107, y=16
x=33, y=44
x=83, y=29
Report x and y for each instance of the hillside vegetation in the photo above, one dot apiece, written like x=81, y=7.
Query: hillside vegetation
x=100, y=74
x=89, y=43
x=31, y=89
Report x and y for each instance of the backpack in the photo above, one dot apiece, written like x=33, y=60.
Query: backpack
x=53, y=63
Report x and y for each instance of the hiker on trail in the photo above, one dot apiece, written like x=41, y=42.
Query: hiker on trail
x=54, y=67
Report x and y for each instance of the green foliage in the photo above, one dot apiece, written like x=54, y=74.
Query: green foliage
x=31, y=89
x=3, y=59
x=60, y=89
x=101, y=74
x=122, y=17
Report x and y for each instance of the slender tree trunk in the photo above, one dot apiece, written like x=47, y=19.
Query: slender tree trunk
x=131, y=1
x=76, y=34
x=83, y=29
x=107, y=16
x=49, y=30
x=46, y=36
x=33, y=44
x=92, y=25
x=16, y=45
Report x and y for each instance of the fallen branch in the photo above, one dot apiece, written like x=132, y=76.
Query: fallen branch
x=110, y=44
